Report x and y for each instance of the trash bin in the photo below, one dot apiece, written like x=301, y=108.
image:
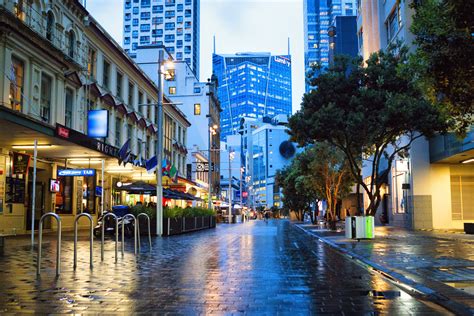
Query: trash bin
x=360, y=227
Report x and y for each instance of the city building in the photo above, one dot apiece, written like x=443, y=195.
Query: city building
x=266, y=149
x=173, y=23
x=318, y=16
x=58, y=64
x=199, y=103
x=432, y=187
x=251, y=85
x=343, y=37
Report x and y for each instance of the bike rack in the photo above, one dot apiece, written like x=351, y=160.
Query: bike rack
x=40, y=243
x=103, y=233
x=138, y=231
x=134, y=232
x=91, y=237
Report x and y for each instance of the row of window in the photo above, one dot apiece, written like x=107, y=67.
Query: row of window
x=156, y=21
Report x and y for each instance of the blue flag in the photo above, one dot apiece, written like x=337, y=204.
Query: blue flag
x=123, y=152
x=151, y=164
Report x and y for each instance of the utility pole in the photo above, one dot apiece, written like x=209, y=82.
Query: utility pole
x=230, y=185
x=159, y=149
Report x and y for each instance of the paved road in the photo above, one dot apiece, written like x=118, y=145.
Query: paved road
x=253, y=268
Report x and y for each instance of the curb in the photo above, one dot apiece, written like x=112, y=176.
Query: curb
x=400, y=280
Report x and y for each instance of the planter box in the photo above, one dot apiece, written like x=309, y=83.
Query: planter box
x=175, y=226
x=469, y=228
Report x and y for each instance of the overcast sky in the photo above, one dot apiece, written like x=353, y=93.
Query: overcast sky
x=238, y=25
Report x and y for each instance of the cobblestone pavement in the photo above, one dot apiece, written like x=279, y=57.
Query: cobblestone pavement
x=254, y=268
x=442, y=261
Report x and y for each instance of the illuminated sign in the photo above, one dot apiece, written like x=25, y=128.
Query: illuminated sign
x=282, y=60
x=97, y=123
x=76, y=172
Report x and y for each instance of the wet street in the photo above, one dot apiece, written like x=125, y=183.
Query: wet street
x=253, y=268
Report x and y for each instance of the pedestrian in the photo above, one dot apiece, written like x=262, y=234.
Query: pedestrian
x=267, y=216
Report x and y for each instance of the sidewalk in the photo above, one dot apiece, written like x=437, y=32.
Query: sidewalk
x=439, y=265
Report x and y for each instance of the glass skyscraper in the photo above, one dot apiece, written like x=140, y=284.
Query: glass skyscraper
x=318, y=16
x=173, y=23
x=251, y=85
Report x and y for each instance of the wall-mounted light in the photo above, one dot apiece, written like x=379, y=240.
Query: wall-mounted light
x=39, y=146
x=468, y=160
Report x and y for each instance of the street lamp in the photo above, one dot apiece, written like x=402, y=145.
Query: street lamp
x=231, y=157
x=212, y=132
x=159, y=145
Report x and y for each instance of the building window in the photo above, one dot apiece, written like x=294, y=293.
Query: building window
x=130, y=136
x=393, y=23
x=197, y=90
x=135, y=22
x=88, y=195
x=118, y=132
x=45, y=99
x=172, y=90
x=71, y=43
x=148, y=108
x=157, y=20
x=197, y=109
x=187, y=13
x=130, y=94
x=145, y=15
x=119, y=84
x=69, y=100
x=106, y=75
x=145, y=27
x=17, y=73
x=462, y=197
x=140, y=99
x=63, y=198
x=148, y=147
x=139, y=147
x=50, y=26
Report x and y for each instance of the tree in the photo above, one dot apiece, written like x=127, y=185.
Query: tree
x=298, y=193
x=375, y=111
x=444, y=35
x=330, y=175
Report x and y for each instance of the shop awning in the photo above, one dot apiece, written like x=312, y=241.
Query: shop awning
x=141, y=187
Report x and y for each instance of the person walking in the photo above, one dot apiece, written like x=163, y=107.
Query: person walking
x=267, y=216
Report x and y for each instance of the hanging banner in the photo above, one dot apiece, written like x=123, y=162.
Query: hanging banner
x=21, y=163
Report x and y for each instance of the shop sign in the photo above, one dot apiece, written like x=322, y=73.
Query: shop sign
x=21, y=162
x=76, y=172
x=86, y=141
x=203, y=166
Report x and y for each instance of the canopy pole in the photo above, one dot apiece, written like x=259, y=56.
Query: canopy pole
x=33, y=196
x=102, y=191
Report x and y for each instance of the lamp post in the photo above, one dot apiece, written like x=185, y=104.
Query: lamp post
x=231, y=157
x=159, y=149
x=212, y=132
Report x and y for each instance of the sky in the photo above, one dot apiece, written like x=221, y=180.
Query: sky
x=239, y=26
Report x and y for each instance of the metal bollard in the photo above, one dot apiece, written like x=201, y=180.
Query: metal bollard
x=149, y=229
x=40, y=242
x=116, y=236
x=134, y=232
x=91, y=237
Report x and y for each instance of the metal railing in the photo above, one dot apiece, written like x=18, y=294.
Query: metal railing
x=37, y=21
x=138, y=230
x=103, y=233
x=89, y=217
x=40, y=243
x=135, y=224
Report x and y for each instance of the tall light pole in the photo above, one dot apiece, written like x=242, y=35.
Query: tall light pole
x=159, y=149
x=231, y=157
x=212, y=132
x=241, y=193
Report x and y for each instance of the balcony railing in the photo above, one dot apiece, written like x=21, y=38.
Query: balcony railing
x=444, y=146
x=37, y=21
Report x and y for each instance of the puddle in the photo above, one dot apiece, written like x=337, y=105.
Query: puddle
x=467, y=287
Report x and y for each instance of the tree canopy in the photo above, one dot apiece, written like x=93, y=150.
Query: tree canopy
x=375, y=111
x=444, y=31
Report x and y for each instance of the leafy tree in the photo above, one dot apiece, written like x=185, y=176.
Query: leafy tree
x=444, y=31
x=375, y=111
x=330, y=175
x=298, y=194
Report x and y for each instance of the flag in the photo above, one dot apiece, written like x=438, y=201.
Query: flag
x=165, y=167
x=174, y=174
x=151, y=164
x=123, y=152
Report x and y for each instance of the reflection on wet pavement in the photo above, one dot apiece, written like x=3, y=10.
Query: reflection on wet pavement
x=253, y=268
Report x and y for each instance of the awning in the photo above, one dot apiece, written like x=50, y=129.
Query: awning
x=139, y=187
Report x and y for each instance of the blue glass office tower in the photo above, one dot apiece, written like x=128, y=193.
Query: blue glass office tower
x=318, y=16
x=252, y=85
